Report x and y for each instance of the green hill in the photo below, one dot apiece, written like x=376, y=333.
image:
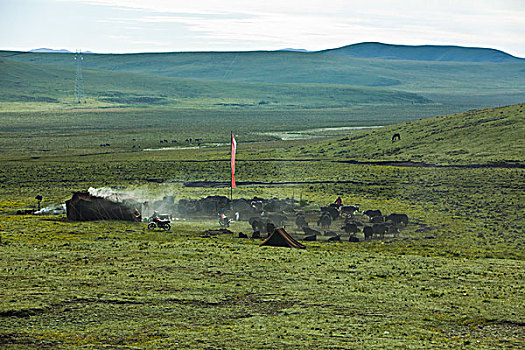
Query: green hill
x=492, y=135
x=466, y=78
x=423, y=53
x=29, y=82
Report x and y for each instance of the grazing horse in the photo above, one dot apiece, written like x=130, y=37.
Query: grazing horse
x=396, y=137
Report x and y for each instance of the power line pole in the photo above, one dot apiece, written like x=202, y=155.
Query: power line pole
x=79, y=81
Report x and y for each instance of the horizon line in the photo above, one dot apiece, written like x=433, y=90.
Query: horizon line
x=294, y=50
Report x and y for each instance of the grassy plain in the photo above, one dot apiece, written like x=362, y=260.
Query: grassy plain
x=452, y=279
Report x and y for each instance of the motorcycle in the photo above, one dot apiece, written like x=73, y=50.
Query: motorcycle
x=156, y=222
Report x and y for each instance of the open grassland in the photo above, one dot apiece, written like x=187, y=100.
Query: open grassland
x=453, y=278
x=82, y=131
x=116, y=285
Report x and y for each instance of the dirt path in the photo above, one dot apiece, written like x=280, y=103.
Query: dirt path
x=398, y=163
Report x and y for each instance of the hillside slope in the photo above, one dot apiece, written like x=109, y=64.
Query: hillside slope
x=476, y=137
x=28, y=82
x=294, y=67
x=423, y=53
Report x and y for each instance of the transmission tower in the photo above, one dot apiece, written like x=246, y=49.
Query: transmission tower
x=79, y=81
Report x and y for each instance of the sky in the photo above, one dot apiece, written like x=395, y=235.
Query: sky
x=125, y=26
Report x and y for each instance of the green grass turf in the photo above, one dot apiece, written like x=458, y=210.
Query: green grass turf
x=111, y=284
x=294, y=67
x=452, y=279
x=28, y=85
x=474, y=137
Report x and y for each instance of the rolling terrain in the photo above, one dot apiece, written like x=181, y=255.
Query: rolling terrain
x=28, y=82
x=475, y=137
x=296, y=67
x=423, y=53
x=451, y=278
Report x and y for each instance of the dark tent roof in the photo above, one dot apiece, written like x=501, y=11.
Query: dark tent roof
x=83, y=206
x=281, y=238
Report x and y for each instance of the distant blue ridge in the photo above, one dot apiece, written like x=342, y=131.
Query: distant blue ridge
x=423, y=53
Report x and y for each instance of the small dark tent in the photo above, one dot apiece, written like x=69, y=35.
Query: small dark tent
x=83, y=206
x=281, y=238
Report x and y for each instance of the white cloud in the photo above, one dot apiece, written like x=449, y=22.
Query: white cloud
x=313, y=24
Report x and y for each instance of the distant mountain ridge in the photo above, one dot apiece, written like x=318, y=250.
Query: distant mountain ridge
x=294, y=50
x=44, y=49
x=377, y=50
x=423, y=53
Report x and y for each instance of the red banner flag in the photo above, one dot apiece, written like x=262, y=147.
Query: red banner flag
x=234, y=147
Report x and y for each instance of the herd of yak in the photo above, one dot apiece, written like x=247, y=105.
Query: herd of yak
x=370, y=222
x=264, y=215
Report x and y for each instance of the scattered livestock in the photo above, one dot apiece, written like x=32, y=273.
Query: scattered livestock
x=393, y=230
x=330, y=233
x=270, y=227
x=397, y=218
x=259, y=224
x=276, y=218
x=310, y=231
x=377, y=219
x=325, y=221
x=379, y=229
x=396, y=136
x=349, y=209
x=377, y=226
x=266, y=215
x=300, y=220
x=368, y=232
x=333, y=210
x=372, y=213
x=350, y=228
x=335, y=239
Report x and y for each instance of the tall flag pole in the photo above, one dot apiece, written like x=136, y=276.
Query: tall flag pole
x=233, y=149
